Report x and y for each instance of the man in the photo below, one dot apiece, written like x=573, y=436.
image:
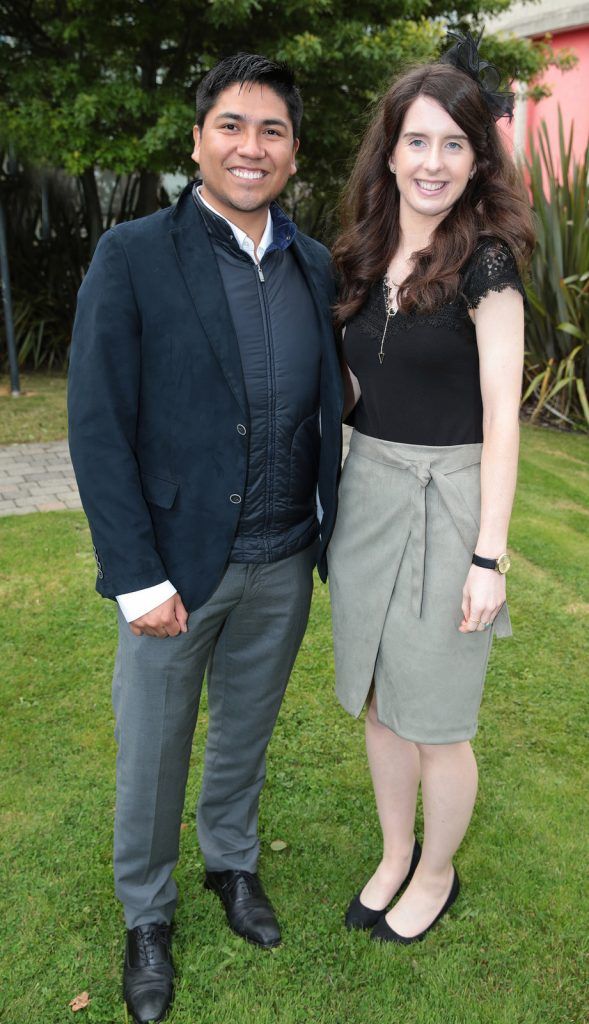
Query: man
x=204, y=404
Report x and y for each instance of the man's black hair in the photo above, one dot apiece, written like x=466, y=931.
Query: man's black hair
x=250, y=67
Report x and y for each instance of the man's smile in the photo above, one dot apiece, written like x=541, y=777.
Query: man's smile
x=247, y=173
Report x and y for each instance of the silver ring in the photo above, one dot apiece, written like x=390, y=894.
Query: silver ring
x=486, y=625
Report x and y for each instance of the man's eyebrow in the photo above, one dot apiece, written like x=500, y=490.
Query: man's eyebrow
x=243, y=117
x=452, y=135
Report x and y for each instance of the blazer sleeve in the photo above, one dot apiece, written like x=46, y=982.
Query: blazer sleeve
x=103, y=404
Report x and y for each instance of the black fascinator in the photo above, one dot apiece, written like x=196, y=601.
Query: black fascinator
x=464, y=55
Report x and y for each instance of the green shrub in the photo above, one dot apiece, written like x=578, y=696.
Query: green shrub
x=47, y=255
x=557, y=363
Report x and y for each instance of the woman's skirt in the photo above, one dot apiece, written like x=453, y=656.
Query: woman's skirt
x=407, y=526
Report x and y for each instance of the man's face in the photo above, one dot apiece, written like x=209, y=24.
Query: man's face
x=245, y=149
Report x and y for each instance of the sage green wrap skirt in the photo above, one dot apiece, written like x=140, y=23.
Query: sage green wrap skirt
x=407, y=525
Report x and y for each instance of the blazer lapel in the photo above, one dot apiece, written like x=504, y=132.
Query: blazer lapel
x=321, y=300
x=198, y=266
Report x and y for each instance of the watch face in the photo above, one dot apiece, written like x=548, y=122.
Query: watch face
x=503, y=564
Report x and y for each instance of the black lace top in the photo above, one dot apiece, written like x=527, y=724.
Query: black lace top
x=427, y=388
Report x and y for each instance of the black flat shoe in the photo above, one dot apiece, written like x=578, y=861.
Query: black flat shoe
x=248, y=909
x=148, y=973
x=360, y=917
x=382, y=932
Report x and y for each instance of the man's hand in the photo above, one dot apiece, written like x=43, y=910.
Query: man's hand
x=168, y=619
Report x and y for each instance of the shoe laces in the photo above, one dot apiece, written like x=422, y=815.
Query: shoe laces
x=148, y=938
x=247, y=883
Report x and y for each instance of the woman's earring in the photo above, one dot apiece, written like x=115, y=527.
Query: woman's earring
x=392, y=169
x=472, y=174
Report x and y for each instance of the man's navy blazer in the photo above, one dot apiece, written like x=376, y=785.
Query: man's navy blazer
x=157, y=405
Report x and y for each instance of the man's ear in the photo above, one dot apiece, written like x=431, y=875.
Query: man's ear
x=195, y=155
x=293, y=163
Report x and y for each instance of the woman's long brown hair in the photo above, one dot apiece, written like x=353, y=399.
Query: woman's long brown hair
x=493, y=204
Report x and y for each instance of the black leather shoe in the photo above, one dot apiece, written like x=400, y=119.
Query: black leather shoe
x=148, y=974
x=249, y=911
x=382, y=932
x=359, y=916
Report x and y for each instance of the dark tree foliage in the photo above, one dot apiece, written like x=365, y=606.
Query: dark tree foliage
x=90, y=86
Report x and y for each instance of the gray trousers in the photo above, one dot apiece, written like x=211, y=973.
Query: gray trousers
x=247, y=637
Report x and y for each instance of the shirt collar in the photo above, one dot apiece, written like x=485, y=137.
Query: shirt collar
x=242, y=238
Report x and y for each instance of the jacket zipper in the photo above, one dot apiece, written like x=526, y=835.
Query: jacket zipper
x=271, y=405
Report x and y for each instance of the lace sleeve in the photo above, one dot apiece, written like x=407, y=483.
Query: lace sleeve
x=492, y=268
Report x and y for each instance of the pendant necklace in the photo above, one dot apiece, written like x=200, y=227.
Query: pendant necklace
x=391, y=310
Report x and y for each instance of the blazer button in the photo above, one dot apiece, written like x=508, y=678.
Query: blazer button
x=235, y=498
x=241, y=429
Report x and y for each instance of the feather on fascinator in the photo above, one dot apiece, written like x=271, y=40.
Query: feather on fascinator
x=464, y=55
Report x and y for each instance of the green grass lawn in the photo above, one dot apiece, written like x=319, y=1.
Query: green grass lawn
x=39, y=413
x=513, y=950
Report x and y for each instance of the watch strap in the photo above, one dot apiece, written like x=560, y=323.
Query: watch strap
x=484, y=563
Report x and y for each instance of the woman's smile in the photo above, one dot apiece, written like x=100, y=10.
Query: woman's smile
x=430, y=186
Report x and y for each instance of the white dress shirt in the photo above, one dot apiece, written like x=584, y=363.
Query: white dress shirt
x=139, y=602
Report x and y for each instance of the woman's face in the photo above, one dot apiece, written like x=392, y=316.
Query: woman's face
x=433, y=160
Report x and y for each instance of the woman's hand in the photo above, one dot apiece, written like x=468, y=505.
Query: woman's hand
x=482, y=597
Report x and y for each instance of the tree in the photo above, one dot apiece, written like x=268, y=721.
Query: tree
x=91, y=86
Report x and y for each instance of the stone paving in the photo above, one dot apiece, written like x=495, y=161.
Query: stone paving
x=36, y=478
x=40, y=478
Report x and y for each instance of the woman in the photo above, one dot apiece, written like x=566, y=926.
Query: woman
x=436, y=227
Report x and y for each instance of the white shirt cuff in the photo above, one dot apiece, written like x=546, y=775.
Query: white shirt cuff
x=139, y=602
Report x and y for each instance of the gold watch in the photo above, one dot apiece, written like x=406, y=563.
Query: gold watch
x=501, y=564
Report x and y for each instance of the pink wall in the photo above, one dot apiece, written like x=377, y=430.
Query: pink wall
x=570, y=90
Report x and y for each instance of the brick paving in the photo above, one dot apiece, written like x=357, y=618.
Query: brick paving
x=40, y=478
x=36, y=478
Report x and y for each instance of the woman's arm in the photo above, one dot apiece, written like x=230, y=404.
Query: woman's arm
x=350, y=382
x=351, y=390
x=499, y=322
